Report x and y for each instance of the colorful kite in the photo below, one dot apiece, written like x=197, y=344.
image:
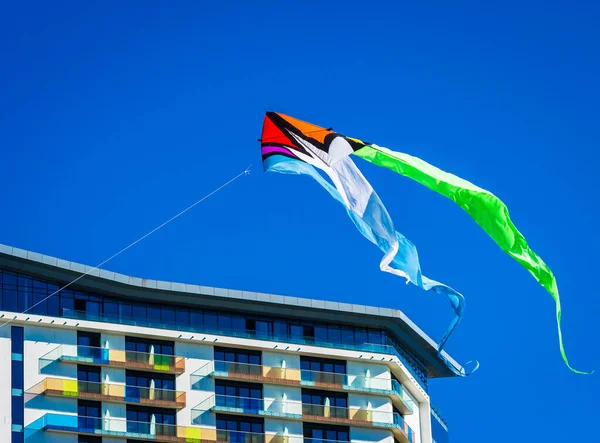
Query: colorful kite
x=291, y=146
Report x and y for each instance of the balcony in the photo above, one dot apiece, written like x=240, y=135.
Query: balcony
x=141, y=361
x=58, y=387
x=246, y=372
x=289, y=376
x=306, y=412
x=121, y=428
x=390, y=347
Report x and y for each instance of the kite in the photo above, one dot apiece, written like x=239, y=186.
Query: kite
x=292, y=146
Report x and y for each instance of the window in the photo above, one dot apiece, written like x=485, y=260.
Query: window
x=139, y=419
x=238, y=361
x=145, y=379
x=17, y=344
x=237, y=355
x=182, y=318
x=88, y=373
x=314, y=433
x=88, y=344
x=146, y=345
x=237, y=395
x=168, y=316
x=17, y=339
x=233, y=429
x=210, y=321
x=89, y=439
x=88, y=413
x=18, y=292
x=153, y=314
x=18, y=410
x=324, y=404
x=197, y=319
x=323, y=371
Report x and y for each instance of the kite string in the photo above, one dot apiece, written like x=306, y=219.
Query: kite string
x=245, y=172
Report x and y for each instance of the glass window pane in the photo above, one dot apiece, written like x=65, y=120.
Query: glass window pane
x=10, y=300
x=224, y=322
x=360, y=336
x=210, y=320
x=238, y=323
x=39, y=303
x=153, y=314
x=296, y=331
x=374, y=336
x=125, y=310
x=263, y=328
x=335, y=334
x=111, y=309
x=321, y=333
x=280, y=329
x=9, y=279
x=196, y=319
x=182, y=317
x=66, y=305
x=168, y=316
x=347, y=336
x=139, y=312
x=53, y=306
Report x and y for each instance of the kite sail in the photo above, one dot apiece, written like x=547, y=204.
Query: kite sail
x=292, y=146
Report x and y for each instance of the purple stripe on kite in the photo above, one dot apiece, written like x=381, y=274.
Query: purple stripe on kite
x=271, y=149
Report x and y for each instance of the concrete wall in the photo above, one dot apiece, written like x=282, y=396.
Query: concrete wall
x=196, y=356
x=39, y=341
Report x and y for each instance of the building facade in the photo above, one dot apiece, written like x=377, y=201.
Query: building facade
x=118, y=359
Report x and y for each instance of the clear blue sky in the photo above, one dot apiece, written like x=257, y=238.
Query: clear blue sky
x=114, y=119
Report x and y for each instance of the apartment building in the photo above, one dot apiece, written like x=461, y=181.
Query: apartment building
x=118, y=359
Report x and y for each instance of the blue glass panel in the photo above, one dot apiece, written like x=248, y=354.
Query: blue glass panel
x=132, y=393
x=17, y=437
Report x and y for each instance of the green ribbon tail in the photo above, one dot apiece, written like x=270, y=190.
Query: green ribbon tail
x=488, y=211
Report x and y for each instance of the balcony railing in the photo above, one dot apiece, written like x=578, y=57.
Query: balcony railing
x=390, y=347
x=121, y=428
x=306, y=412
x=144, y=361
x=291, y=376
x=60, y=387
